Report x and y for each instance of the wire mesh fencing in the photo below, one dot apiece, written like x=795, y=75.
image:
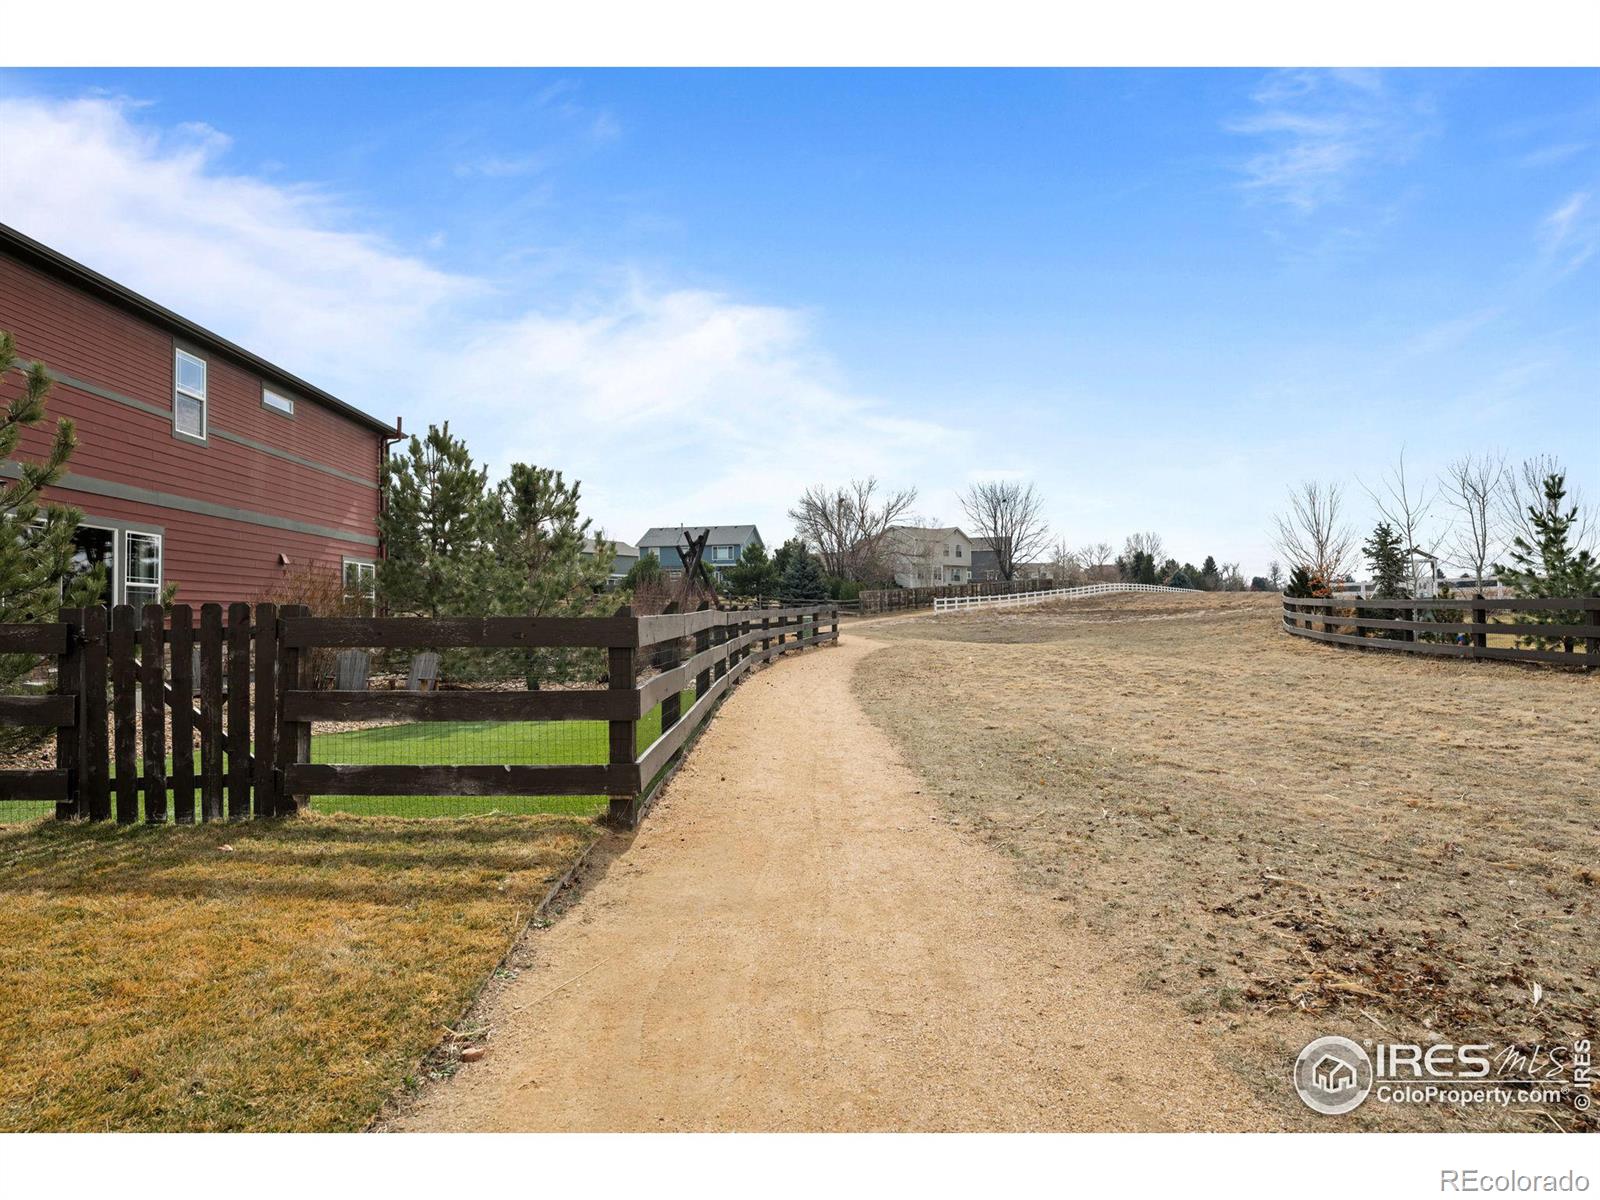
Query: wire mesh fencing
x=397, y=741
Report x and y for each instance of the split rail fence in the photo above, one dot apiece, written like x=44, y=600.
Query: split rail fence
x=1373, y=625
x=238, y=696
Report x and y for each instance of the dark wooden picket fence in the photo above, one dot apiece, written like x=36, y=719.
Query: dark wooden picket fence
x=1371, y=624
x=119, y=672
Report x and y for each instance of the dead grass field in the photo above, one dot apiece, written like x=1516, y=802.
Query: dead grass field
x=273, y=976
x=1289, y=839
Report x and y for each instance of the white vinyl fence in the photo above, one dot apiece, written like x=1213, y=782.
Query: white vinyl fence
x=944, y=604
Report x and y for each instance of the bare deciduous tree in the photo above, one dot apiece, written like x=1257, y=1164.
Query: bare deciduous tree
x=846, y=525
x=1313, y=533
x=1405, y=504
x=1066, y=567
x=1472, y=487
x=1096, y=560
x=1524, y=490
x=1011, y=515
x=1144, y=543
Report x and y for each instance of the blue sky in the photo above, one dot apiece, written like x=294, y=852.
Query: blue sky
x=1164, y=296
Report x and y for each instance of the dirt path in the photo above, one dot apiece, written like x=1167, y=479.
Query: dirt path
x=798, y=940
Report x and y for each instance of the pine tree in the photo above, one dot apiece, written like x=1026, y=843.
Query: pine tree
x=435, y=527
x=1210, y=577
x=1551, y=567
x=646, y=571
x=540, y=569
x=1387, y=562
x=786, y=554
x=1299, y=585
x=803, y=581
x=36, y=546
x=754, y=575
x=1386, y=559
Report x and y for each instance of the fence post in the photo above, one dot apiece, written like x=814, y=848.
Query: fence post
x=211, y=712
x=238, y=710
x=719, y=637
x=69, y=738
x=766, y=638
x=835, y=630
x=294, y=737
x=702, y=643
x=1480, y=618
x=153, y=712
x=182, y=672
x=671, y=706
x=622, y=664
x=266, y=724
x=95, y=791
x=123, y=709
x=1592, y=643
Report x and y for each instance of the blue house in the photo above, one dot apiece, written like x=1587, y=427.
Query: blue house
x=724, y=546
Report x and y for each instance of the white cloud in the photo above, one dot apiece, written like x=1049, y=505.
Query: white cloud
x=1321, y=132
x=670, y=403
x=1570, y=233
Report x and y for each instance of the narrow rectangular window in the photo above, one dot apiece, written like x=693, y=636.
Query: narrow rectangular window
x=277, y=402
x=360, y=585
x=189, y=396
x=141, y=560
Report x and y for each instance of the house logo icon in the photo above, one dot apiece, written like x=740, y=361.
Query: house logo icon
x=1333, y=1075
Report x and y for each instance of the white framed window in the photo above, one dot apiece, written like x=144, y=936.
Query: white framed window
x=277, y=402
x=361, y=584
x=189, y=395
x=141, y=568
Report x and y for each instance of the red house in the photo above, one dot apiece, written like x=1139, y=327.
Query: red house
x=198, y=463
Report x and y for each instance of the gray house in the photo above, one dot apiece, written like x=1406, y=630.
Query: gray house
x=985, y=562
x=724, y=546
x=620, y=565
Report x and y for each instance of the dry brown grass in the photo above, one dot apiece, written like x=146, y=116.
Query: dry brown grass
x=1288, y=838
x=153, y=979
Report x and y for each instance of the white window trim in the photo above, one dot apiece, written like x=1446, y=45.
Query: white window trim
x=125, y=559
x=118, y=567
x=280, y=397
x=372, y=566
x=178, y=354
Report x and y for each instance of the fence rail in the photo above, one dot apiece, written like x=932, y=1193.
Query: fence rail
x=1344, y=621
x=258, y=702
x=946, y=604
x=880, y=600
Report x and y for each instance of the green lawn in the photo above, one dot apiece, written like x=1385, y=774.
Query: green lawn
x=451, y=743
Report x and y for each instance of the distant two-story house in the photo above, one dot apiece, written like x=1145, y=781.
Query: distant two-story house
x=929, y=557
x=725, y=544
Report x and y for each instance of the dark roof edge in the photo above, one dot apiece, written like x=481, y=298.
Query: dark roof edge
x=56, y=264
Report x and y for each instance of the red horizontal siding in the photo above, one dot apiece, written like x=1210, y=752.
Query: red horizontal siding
x=216, y=560
x=212, y=558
